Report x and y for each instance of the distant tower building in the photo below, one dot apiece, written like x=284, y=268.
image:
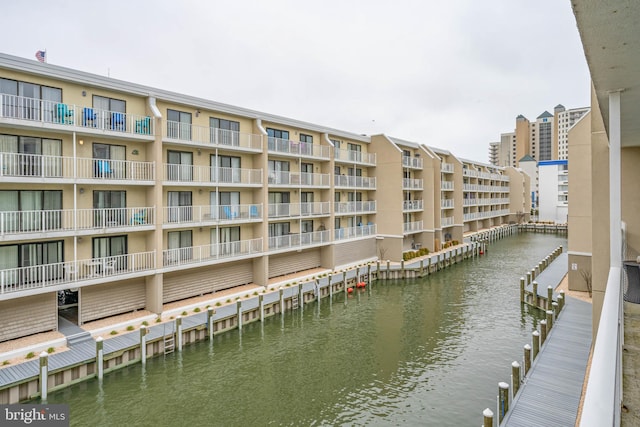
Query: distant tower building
x=564, y=120
x=541, y=138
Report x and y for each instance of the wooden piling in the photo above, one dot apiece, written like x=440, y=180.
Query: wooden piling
x=515, y=377
x=543, y=331
x=549, y=297
x=487, y=414
x=527, y=358
x=522, y=286
x=535, y=335
x=503, y=400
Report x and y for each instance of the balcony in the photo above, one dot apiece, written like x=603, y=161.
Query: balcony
x=412, y=227
x=354, y=208
x=59, y=116
x=188, y=134
x=208, y=254
x=298, y=149
x=412, y=184
x=412, y=205
x=446, y=203
x=295, y=241
x=446, y=167
x=355, y=232
x=180, y=216
x=288, y=210
x=446, y=185
x=16, y=167
x=412, y=162
x=28, y=279
x=351, y=156
x=470, y=172
x=355, y=182
x=298, y=179
x=60, y=222
x=446, y=221
x=229, y=177
x=470, y=202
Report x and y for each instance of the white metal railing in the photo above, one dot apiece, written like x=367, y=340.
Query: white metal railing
x=486, y=214
x=297, y=148
x=412, y=205
x=412, y=227
x=108, y=169
x=446, y=167
x=602, y=401
x=470, y=202
x=43, y=221
x=299, y=240
x=363, y=182
x=206, y=253
x=46, y=275
x=412, y=162
x=446, y=185
x=208, y=213
x=354, y=207
x=469, y=172
x=281, y=210
x=446, y=221
x=58, y=113
x=354, y=156
x=207, y=174
x=412, y=184
x=446, y=203
x=354, y=232
x=299, y=179
x=187, y=133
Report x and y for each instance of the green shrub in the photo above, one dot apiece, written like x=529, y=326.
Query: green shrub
x=218, y=304
x=228, y=300
x=114, y=332
x=6, y=362
x=130, y=328
x=30, y=355
x=184, y=313
x=255, y=293
x=158, y=319
x=145, y=323
x=51, y=350
x=196, y=310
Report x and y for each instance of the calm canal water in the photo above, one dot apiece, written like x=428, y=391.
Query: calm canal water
x=423, y=352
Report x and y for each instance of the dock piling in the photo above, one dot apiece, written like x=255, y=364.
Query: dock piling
x=535, y=338
x=488, y=418
x=515, y=377
x=503, y=400
x=543, y=331
x=527, y=358
x=143, y=344
x=44, y=374
x=100, y=357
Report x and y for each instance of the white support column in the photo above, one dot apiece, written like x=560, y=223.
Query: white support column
x=615, y=217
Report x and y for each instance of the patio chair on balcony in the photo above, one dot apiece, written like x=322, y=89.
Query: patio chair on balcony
x=103, y=168
x=118, y=121
x=228, y=213
x=88, y=117
x=63, y=114
x=108, y=266
x=139, y=217
x=143, y=126
x=253, y=211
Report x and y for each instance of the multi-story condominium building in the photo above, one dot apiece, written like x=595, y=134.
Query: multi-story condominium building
x=553, y=190
x=543, y=139
x=131, y=197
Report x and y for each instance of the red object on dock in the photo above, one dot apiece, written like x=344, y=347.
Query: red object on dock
x=350, y=290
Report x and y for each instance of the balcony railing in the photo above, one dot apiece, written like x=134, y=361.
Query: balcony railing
x=483, y=215
x=211, y=214
x=412, y=162
x=412, y=227
x=61, y=220
x=470, y=202
x=47, y=275
x=355, y=207
x=299, y=240
x=299, y=179
x=87, y=118
x=355, y=232
x=355, y=156
x=186, y=133
x=446, y=221
x=446, y=203
x=447, y=167
x=212, y=252
x=469, y=172
x=412, y=184
x=282, y=210
x=412, y=205
x=446, y=185
x=213, y=175
x=362, y=182
x=39, y=166
x=296, y=148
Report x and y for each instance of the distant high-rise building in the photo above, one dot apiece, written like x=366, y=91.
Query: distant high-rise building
x=543, y=139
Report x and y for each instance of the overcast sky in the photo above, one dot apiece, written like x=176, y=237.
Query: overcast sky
x=451, y=74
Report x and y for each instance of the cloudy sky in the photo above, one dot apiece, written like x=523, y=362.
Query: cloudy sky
x=450, y=74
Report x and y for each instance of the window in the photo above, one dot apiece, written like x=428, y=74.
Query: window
x=179, y=205
x=306, y=138
x=278, y=139
x=178, y=124
x=306, y=203
x=224, y=131
x=31, y=210
x=354, y=171
x=336, y=143
x=226, y=170
x=25, y=102
x=180, y=246
x=179, y=165
x=31, y=156
x=355, y=152
x=112, y=247
x=279, y=172
x=31, y=255
x=306, y=226
x=109, y=208
x=229, y=202
x=228, y=240
x=279, y=229
x=306, y=173
x=109, y=112
x=109, y=161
